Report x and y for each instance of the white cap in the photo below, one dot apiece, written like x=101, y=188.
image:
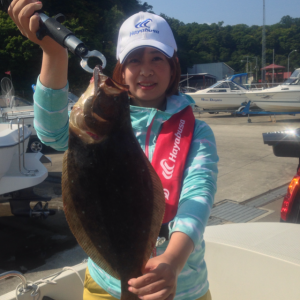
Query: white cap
x=145, y=29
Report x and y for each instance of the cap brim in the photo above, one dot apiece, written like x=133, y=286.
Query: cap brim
x=165, y=49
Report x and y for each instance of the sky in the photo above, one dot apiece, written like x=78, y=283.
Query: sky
x=231, y=12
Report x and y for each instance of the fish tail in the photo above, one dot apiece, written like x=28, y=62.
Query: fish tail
x=125, y=294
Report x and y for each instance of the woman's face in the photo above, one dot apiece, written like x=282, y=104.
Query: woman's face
x=148, y=74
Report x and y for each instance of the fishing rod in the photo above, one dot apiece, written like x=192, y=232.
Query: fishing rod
x=53, y=28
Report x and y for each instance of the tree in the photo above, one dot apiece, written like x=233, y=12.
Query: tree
x=96, y=23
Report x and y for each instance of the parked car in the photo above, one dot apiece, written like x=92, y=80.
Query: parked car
x=287, y=144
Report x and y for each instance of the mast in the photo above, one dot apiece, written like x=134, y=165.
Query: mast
x=263, y=58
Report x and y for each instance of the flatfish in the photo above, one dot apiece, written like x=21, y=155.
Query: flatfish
x=113, y=199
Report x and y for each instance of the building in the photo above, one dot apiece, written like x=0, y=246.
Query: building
x=220, y=70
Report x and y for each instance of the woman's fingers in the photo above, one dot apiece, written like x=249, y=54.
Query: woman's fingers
x=13, y=11
x=160, y=295
x=34, y=23
x=149, y=289
x=144, y=280
x=153, y=286
x=11, y=8
x=15, y=7
x=21, y=12
x=171, y=297
x=25, y=16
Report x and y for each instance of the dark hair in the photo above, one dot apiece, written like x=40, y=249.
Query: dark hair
x=174, y=81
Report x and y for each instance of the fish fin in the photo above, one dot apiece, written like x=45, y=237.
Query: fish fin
x=159, y=208
x=76, y=227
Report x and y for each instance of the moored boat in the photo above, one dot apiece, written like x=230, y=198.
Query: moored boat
x=20, y=171
x=22, y=108
x=228, y=94
x=282, y=98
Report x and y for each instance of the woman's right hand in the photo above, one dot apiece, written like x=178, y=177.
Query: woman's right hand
x=22, y=13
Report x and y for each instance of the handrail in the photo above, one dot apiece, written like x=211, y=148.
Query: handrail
x=25, y=287
x=23, y=154
x=29, y=172
x=15, y=274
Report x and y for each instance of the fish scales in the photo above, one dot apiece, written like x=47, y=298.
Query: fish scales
x=113, y=198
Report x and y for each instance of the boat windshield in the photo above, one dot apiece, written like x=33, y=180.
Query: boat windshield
x=235, y=87
x=294, y=79
x=215, y=84
x=219, y=87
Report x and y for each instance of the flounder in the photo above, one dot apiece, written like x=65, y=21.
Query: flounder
x=113, y=199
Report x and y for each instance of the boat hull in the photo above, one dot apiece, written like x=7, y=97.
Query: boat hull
x=278, y=99
x=15, y=163
x=253, y=261
x=245, y=261
x=24, y=112
x=68, y=286
x=219, y=102
x=9, y=144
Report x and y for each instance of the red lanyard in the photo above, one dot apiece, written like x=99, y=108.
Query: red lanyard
x=170, y=154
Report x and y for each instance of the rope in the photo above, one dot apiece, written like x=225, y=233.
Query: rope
x=72, y=269
x=35, y=285
x=34, y=293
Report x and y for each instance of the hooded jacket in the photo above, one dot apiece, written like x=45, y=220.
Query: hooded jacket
x=198, y=186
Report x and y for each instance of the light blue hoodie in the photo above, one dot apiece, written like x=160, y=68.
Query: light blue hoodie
x=199, y=179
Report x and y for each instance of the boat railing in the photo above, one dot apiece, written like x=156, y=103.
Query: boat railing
x=15, y=114
x=4, y=117
x=260, y=86
x=23, y=287
x=21, y=140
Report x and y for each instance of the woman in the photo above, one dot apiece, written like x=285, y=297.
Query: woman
x=147, y=62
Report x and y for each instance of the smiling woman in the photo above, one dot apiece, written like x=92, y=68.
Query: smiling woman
x=148, y=64
x=182, y=151
x=153, y=71
x=148, y=74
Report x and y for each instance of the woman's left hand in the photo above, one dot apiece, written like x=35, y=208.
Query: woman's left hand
x=159, y=281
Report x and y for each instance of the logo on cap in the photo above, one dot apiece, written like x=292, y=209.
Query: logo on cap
x=143, y=27
x=143, y=24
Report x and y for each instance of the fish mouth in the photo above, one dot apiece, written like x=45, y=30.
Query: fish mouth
x=79, y=127
x=98, y=109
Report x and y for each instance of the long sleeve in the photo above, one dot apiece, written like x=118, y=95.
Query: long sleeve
x=51, y=120
x=199, y=185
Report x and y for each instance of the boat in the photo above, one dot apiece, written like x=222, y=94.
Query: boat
x=227, y=94
x=282, y=98
x=245, y=261
x=22, y=108
x=20, y=171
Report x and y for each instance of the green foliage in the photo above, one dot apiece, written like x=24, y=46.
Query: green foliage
x=203, y=43
x=97, y=23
